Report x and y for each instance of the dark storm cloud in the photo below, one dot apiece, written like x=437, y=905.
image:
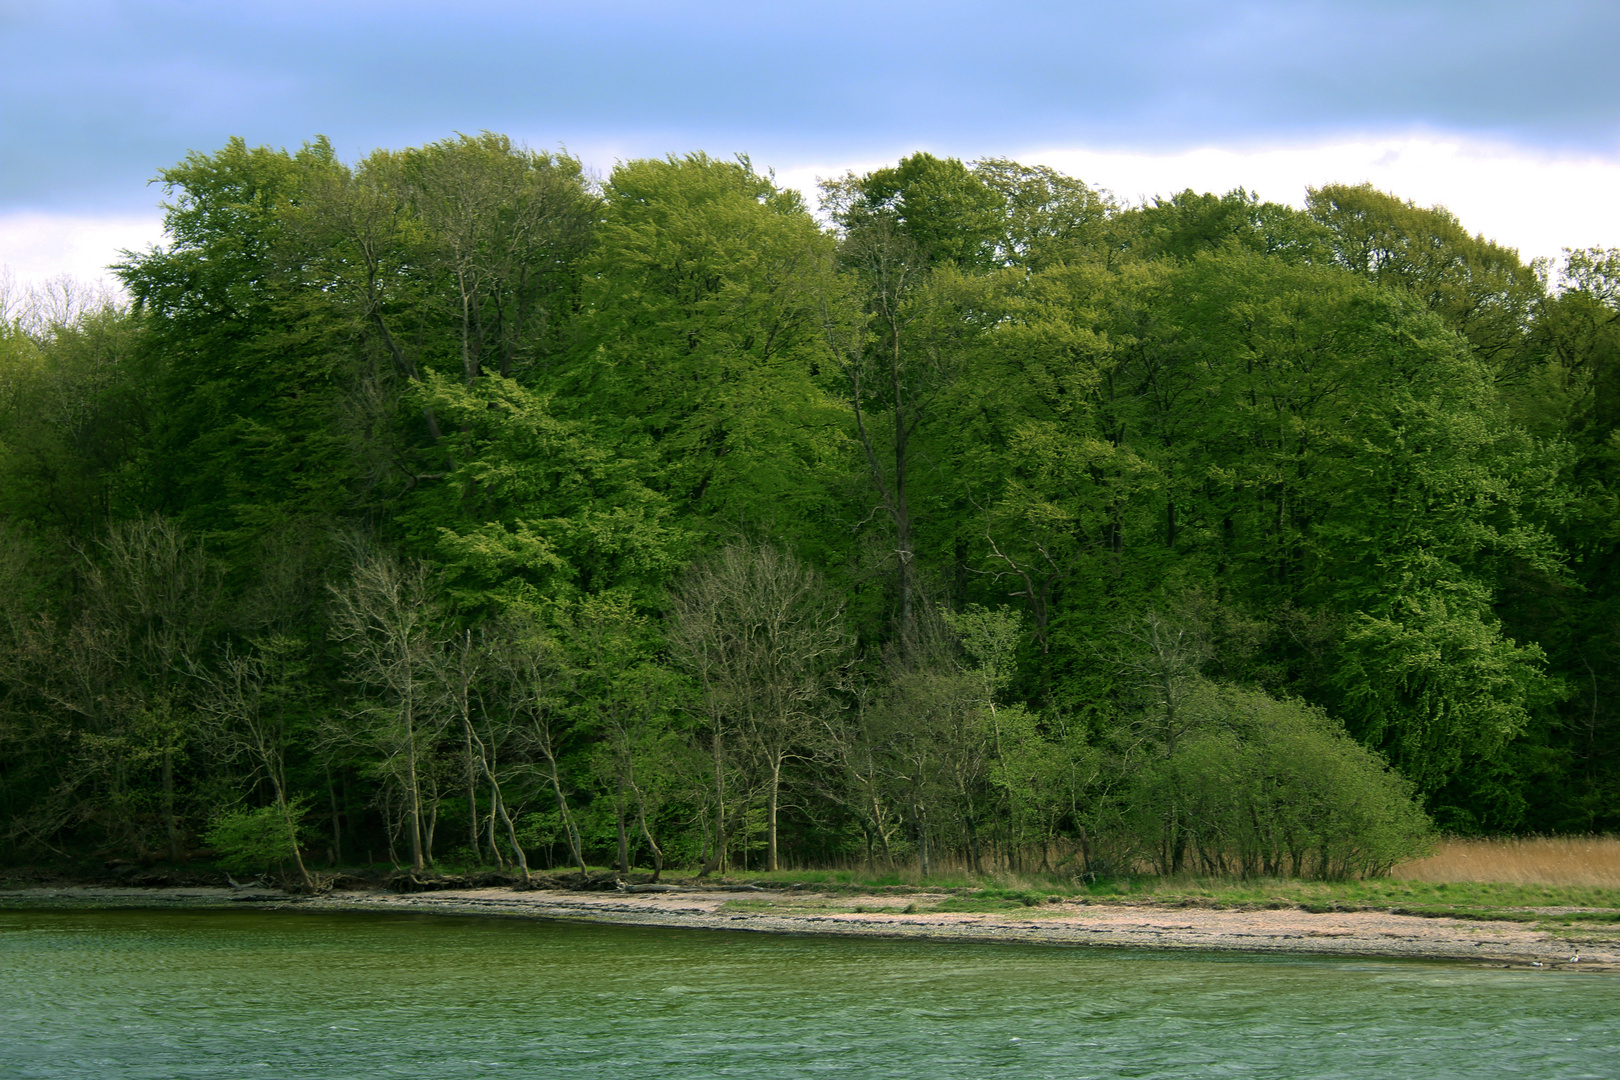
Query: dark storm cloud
x=96, y=96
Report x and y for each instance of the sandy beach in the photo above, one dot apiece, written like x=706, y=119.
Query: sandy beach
x=1279, y=929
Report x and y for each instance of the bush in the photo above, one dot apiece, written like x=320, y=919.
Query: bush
x=1267, y=787
x=252, y=840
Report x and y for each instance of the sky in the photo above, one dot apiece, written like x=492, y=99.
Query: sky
x=1507, y=113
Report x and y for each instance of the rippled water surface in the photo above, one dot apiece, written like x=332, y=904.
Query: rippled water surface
x=117, y=994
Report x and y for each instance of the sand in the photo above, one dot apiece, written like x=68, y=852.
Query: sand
x=1281, y=930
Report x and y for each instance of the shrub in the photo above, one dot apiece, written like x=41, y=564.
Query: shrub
x=251, y=840
x=1261, y=786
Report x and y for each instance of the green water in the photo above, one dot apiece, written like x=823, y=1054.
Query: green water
x=124, y=994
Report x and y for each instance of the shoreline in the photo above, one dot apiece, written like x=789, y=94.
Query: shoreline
x=1276, y=930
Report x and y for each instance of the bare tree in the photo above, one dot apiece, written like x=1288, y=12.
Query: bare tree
x=858, y=741
x=765, y=638
x=388, y=620
x=153, y=601
x=1160, y=661
x=533, y=686
x=248, y=706
x=461, y=666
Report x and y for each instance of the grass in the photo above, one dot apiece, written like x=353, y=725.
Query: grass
x=1502, y=879
x=1541, y=860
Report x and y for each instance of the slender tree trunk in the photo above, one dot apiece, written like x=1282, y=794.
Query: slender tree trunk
x=652, y=845
x=623, y=862
x=717, y=858
x=413, y=806
x=922, y=846
x=472, y=792
x=337, y=820
x=563, y=816
x=770, y=814
x=902, y=509
x=511, y=831
x=170, y=820
x=292, y=831
x=430, y=826
x=494, y=814
x=973, y=845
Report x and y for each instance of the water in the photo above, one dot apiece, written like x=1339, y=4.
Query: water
x=136, y=994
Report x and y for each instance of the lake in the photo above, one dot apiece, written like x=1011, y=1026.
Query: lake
x=169, y=994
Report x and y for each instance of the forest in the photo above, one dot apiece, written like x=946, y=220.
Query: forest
x=455, y=507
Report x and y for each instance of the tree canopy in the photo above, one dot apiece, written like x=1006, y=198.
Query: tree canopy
x=455, y=505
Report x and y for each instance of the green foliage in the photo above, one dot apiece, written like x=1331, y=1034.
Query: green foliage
x=1048, y=217
x=701, y=345
x=536, y=510
x=1477, y=287
x=944, y=208
x=255, y=840
x=247, y=378
x=74, y=407
x=1259, y=787
x=1060, y=534
x=1188, y=224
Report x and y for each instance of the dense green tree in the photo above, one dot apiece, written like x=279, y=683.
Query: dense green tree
x=1477, y=287
x=1047, y=217
x=947, y=211
x=535, y=509
x=449, y=504
x=74, y=412
x=1188, y=223
x=248, y=386
x=700, y=353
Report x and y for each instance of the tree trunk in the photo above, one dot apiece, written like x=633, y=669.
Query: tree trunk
x=922, y=839
x=652, y=845
x=511, y=833
x=430, y=826
x=623, y=862
x=770, y=815
x=902, y=517
x=176, y=849
x=973, y=845
x=563, y=816
x=337, y=820
x=472, y=793
x=717, y=858
x=413, y=808
x=494, y=813
x=292, y=835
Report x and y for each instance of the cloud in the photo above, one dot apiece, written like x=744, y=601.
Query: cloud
x=37, y=247
x=1538, y=203
x=102, y=93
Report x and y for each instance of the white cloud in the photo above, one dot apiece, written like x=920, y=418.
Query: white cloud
x=1534, y=202
x=37, y=247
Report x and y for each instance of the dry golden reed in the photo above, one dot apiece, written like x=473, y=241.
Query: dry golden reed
x=1536, y=860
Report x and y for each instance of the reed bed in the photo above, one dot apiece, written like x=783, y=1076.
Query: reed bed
x=1535, y=860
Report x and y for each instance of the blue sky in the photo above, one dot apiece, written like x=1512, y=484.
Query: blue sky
x=98, y=94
